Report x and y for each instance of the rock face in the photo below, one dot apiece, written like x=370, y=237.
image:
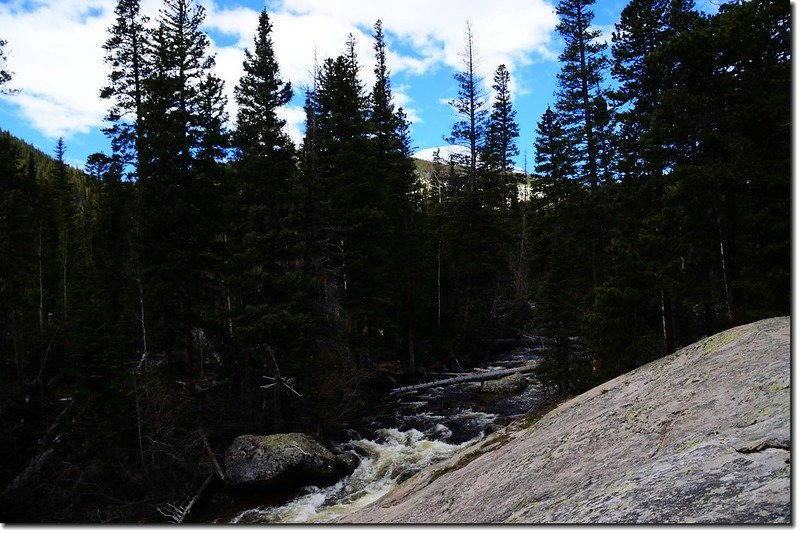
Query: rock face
x=285, y=459
x=509, y=384
x=699, y=436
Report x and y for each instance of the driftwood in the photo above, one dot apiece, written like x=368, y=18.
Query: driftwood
x=466, y=378
x=211, y=455
x=34, y=467
x=38, y=461
x=178, y=513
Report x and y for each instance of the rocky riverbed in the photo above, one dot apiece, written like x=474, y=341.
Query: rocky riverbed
x=402, y=434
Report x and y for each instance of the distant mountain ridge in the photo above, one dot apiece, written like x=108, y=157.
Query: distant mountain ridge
x=445, y=152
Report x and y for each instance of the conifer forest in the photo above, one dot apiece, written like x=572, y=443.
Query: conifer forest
x=210, y=278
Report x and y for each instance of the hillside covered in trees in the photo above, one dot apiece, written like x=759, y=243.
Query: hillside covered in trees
x=208, y=278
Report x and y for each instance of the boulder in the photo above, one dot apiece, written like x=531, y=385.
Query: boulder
x=289, y=459
x=507, y=385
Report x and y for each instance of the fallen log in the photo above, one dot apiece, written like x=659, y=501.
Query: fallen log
x=466, y=378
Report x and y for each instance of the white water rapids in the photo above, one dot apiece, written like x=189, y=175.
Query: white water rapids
x=397, y=456
x=429, y=426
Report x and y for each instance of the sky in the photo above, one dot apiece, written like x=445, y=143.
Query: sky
x=55, y=53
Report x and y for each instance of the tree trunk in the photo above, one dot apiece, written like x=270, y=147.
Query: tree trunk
x=467, y=378
x=16, y=340
x=141, y=317
x=64, y=271
x=41, y=283
x=412, y=365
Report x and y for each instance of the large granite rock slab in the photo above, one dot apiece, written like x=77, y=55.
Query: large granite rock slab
x=288, y=459
x=699, y=436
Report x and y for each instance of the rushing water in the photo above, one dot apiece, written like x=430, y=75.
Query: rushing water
x=404, y=436
x=397, y=456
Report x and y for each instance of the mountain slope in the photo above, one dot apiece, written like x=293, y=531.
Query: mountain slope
x=700, y=436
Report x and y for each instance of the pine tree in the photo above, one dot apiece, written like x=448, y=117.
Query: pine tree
x=126, y=52
x=644, y=25
x=266, y=290
x=724, y=135
x=583, y=62
x=471, y=111
x=18, y=256
x=180, y=126
x=476, y=238
x=500, y=145
x=259, y=95
x=349, y=221
x=65, y=214
x=382, y=116
x=554, y=157
x=395, y=194
x=557, y=253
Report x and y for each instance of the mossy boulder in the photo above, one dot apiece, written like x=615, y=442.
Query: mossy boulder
x=286, y=459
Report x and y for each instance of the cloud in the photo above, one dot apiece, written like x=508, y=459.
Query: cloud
x=401, y=98
x=55, y=52
x=55, y=46
x=295, y=118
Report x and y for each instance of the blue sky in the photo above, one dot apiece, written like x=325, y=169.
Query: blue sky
x=54, y=50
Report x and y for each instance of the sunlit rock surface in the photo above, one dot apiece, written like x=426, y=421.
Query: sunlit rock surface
x=700, y=436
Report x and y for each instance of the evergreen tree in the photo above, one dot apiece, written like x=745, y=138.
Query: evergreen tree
x=395, y=180
x=583, y=62
x=126, y=53
x=554, y=159
x=18, y=257
x=475, y=235
x=65, y=212
x=471, y=110
x=259, y=95
x=557, y=257
x=500, y=145
x=268, y=293
x=726, y=147
x=644, y=26
x=350, y=222
x=180, y=126
x=583, y=113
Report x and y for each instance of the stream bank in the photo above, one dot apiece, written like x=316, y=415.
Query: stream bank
x=401, y=435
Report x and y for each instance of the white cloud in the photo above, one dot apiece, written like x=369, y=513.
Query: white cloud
x=401, y=98
x=55, y=52
x=55, y=46
x=295, y=118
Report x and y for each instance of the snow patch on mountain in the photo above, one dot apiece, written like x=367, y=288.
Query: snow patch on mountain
x=444, y=152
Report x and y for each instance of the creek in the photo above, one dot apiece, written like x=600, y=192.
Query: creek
x=404, y=434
